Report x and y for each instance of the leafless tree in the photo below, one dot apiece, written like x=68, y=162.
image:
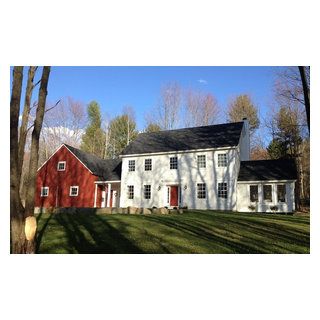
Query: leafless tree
x=201, y=109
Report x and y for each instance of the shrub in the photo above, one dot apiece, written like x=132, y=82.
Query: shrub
x=274, y=209
x=252, y=207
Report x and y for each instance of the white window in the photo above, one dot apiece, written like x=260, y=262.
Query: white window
x=130, y=192
x=281, y=191
x=147, y=191
x=254, y=193
x=222, y=159
x=44, y=191
x=61, y=166
x=201, y=161
x=201, y=190
x=74, y=191
x=173, y=162
x=267, y=192
x=223, y=190
x=148, y=164
x=132, y=165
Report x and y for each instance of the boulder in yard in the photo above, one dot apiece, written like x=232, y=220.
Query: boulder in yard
x=180, y=211
x=163, y=211
x=103, y=211
x=133, y=210
x=146, y=211
x=155, y=211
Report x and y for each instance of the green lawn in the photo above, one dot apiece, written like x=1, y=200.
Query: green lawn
x=191, y=232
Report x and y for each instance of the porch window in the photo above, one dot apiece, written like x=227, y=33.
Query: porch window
x=267, y=192
x=281, y=192
x=222, y=160
x=132, y=165
x=253, y=193
x=147, y=191
x=74, y=191
x=61, y=166
x=148, y=164
x=130, y=192
x=222, y=190
x=44, y=191
x=173, y=162
x=201, y=190
x=201, y=161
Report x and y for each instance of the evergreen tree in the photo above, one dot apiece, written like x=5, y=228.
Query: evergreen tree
x=93, y=140
x=152, y=127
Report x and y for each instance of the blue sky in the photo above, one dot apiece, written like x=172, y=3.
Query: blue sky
x=115, y=87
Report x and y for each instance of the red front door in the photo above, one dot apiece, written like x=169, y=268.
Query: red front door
x=174, y=196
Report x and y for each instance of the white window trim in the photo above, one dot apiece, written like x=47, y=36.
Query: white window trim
x=74, y=195
x=205, y=161
x=41, y=192
x=285, y=193
x=272, y=195
x=64, y=169
x=131, y=164
x=226, y=157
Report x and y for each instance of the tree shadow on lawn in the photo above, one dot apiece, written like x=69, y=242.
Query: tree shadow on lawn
x=227, y=234
x=88, y=233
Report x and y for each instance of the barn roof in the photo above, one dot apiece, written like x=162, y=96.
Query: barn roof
x=206, y=137
x=105, y=169
x=261, y=170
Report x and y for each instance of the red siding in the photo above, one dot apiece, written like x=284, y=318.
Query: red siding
x=59, y=182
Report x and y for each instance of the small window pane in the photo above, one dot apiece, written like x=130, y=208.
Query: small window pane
x=201, y=161
x=44, y=191
x=222, y=160
x=223, y=190
x=173, y=163
x=281, y=190
x=147, y=191
x=254, y=193
x=130, y=192
x=132, y=165
x=267, y=193
x=61, y=165
x=201, y=190
x=148, y=164
x=74, y=191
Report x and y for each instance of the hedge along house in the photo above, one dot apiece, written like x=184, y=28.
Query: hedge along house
x=200, y=168
x=74, y=178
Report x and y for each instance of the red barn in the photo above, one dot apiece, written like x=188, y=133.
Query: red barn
x=74, y=178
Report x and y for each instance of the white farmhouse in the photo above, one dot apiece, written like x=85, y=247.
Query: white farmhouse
x=204, y=168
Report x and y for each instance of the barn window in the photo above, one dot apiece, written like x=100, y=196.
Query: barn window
x=254, y=193
x=222, y=159
x=132, y=165
x=61, y=166
x=173, y=162
x=148, y=164
x=147, y=191
x=201, y=190
x=281, y=191
x=130, y=192
x=201, y=161
x=223, y=190
x=74, y=190
x=267, y=192
x=44, y=191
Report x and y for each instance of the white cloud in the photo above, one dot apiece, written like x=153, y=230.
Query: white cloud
x=202, y=81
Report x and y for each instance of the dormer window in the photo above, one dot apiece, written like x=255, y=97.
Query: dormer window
x=61, y=166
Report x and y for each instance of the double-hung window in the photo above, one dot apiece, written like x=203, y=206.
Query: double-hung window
x=44, y=191
x=281, y=192
x=267, y=192
x=173, y=162
x=201, y=161
x=130, y=192
x=254, y=193
x=201, y=190
x=132, y=165
x=74, y=191
x=222, y=190
x=147, y=191
x=148, y=164
x=222, y=159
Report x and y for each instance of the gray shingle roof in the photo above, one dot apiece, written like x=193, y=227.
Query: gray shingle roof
x=105, y=169
x=261, y=170
x=215, y=136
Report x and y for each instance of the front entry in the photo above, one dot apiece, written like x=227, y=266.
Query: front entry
x=174, y=196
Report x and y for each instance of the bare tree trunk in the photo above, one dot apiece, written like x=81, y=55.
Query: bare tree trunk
x=306, y=93
x=33, y=166
x=18, y=239
x=25, y=118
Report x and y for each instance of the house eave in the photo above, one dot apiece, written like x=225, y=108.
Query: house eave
x=267, y=181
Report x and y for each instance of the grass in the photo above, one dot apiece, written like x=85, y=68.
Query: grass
x=195, y=231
